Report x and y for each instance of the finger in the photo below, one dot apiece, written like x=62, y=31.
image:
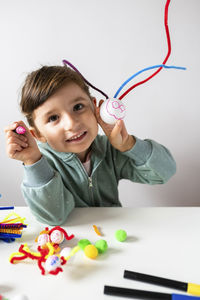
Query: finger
x=10, y=127
x=13, y=149
x=124, y=131
x=16, y=140
x=14, y=125
x=116, y=129
x=11, y=134
x=100, y=103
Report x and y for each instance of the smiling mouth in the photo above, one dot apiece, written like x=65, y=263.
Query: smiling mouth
x=77, y=138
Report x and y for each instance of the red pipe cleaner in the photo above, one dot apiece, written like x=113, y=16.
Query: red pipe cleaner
x=42, y=259
x=17, y=258
x=14, y=258
x=166, y=58
x=63, y=260
x=56, y=271
x=63, y=231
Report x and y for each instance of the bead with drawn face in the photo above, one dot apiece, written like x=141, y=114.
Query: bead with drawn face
x=57, y=237
x=52, y=263
x=43, y=239
x=112, y=110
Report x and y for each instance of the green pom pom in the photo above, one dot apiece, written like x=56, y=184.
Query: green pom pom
x=101, y=246
x=121, y=235
x=83, y=243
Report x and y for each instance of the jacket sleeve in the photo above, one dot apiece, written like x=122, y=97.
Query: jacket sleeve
x=41, y=187
x=147, y=162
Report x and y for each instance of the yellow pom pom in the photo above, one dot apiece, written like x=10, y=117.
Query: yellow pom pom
x=91, y=251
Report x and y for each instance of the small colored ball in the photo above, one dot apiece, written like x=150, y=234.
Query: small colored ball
x=83, y=243
x=57, y=236
x=121, y=235
x=91, y=251
x=52, y=263
x=101, y=246
x=65, y=251
x=43, y=239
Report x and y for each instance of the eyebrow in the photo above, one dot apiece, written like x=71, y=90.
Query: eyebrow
x=77, y=99
x=73, y=101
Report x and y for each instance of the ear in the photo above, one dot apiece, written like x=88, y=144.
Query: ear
x=94, y=103
x=36, y=134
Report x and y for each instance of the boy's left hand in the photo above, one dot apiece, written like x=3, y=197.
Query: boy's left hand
x=117, y=133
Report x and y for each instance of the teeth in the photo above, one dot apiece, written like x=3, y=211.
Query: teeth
x=76, y=137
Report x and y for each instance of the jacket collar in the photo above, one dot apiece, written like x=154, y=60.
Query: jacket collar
x=98, y=147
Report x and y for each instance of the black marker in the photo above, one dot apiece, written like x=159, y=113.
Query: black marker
x=141, y=294
x=190, y=288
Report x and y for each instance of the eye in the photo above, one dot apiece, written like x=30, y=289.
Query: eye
x=78, y=106
x=53, y=118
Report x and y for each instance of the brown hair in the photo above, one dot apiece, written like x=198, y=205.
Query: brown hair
x=43, y=83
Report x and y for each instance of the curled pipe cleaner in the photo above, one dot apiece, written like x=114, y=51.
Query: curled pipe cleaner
x=146, y=69
x=166, y=58
x=139, y=72
x=65, y=62
x=63, y=231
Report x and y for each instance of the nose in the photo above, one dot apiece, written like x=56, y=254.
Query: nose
x=69, y=121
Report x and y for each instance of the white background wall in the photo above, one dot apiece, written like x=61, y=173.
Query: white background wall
x=108, y=41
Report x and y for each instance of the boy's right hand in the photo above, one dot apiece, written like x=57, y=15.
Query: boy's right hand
x=21, y=147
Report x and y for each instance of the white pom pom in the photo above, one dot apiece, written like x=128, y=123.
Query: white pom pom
x=65, y=251
x=112, y=110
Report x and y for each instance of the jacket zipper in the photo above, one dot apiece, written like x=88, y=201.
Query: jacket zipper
x=90, y=182
x=89, y=177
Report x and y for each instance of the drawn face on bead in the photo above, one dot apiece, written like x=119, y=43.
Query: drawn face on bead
x=52, y=263
x=43, y=239
x=57, y=237
x=112, y=110
x=117, y=106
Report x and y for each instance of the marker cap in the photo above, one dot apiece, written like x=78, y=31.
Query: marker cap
x=183, y=297
x=193, y=289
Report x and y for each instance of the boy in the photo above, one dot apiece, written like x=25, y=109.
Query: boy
x=71, y=165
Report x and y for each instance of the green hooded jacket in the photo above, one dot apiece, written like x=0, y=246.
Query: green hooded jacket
x=58, y=182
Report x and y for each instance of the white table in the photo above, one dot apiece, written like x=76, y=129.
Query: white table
x=161, y=241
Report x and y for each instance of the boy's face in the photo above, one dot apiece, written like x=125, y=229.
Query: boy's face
x=66, y=121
